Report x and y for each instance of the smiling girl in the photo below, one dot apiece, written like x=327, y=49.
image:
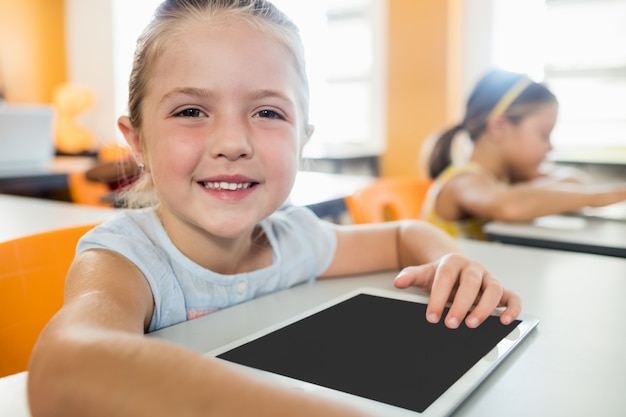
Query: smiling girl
x=217, y=121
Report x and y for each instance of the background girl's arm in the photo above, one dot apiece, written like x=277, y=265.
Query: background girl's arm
x=429, y=259
x=549, y=173
x=93, y=359
x=480, y=196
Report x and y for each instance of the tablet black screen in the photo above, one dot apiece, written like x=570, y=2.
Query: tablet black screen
x=374, y=347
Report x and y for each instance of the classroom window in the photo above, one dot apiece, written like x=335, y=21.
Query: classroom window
x=577, y=48
x=343, y=41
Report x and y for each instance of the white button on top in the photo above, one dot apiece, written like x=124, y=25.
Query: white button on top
x=242, y=287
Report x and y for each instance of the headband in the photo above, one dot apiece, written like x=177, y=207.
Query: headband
x=509, y=97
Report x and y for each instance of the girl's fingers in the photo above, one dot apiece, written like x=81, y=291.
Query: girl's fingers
x=490, y=298
x=513, y=307
x=443, y=288
x=471, y=282
x=464, y=284
x=418, y=276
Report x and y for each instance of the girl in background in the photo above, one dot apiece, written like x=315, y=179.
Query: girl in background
x=509, y=119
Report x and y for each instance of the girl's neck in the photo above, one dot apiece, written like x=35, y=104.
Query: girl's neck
x=488, y=156
x=221, y=255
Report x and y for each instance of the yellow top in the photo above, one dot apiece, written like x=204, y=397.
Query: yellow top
x=469, y=228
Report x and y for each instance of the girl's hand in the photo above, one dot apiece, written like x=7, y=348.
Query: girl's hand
x=464, y=283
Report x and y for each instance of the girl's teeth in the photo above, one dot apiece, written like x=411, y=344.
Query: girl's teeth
x=227, y=185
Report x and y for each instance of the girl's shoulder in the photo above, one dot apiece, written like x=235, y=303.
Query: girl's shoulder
x=126, y=228
x=294, y=221
x=457, y=169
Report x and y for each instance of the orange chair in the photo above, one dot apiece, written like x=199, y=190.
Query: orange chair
x=32, y=279
x=386, y=199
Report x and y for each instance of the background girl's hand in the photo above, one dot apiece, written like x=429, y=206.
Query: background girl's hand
x=464, y=283
x=610, y=194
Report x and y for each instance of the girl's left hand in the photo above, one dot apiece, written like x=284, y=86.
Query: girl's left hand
x=464, y=283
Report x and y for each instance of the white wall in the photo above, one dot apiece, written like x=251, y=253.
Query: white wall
x=90, y=61
x=101, y=37
x=477, y=46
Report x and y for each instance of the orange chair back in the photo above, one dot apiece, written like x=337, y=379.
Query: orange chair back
x=386, y=199
x=32, y=280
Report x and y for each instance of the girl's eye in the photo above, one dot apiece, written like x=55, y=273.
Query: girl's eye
x=270, y=114
x=190, y=113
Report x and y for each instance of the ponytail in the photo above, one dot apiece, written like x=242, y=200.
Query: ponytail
x=441, y=155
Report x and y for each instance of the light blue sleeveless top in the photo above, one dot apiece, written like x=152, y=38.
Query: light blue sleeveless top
x=303, y=247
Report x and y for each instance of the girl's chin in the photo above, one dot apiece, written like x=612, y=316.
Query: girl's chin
x=230, y=228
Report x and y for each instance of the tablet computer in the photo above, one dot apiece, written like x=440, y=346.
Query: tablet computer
x=375, y=350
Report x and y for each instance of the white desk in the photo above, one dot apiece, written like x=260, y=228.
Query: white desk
x=573, y=364
x=324, y=193
x=22, y=216
x=571, y=233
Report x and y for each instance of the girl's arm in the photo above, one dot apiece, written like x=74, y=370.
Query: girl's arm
x=551, y=173
x=429, y=259
x=93, y=359
x=481, y=196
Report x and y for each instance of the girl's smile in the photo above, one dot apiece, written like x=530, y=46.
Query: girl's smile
x=232, y=188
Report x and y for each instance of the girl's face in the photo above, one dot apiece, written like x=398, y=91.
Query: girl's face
x=528, y=142
x=222, y=128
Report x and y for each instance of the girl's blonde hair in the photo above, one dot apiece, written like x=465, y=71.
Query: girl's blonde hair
x=173, y=17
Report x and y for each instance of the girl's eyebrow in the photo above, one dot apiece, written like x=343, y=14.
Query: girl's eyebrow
x=203, y=93
x=187, y=91
x=270, y=93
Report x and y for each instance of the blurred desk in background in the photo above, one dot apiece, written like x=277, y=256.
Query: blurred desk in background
x=611, y=155
x=46, y=181
x=20, y=215
x=341, y=158
x=564, y=232
x=324, y=193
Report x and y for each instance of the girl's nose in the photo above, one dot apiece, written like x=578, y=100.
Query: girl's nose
x=231, y=140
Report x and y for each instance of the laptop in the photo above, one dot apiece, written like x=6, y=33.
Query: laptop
x=375, y=350
x=26, y=136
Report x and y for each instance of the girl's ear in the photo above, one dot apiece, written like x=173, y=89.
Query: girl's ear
x=496, y=128
x=132, y=137
x=308, y=132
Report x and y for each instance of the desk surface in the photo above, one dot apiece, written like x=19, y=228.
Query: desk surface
x=572, y=365
x=22, y=216
x=572, y=233
x=324, y=193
